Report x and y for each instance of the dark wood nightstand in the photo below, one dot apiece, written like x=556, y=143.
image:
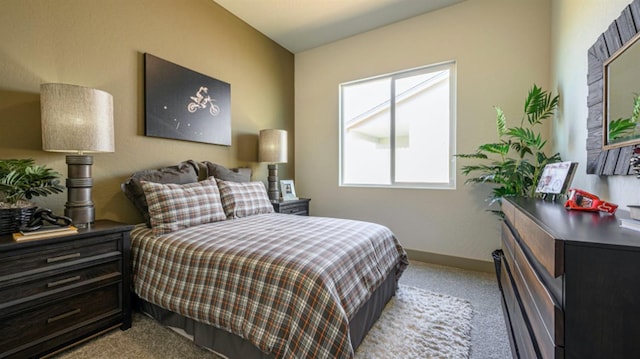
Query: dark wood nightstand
x=57, y=291
x=293, y=206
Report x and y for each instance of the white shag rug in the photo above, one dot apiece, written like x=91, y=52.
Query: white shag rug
x=415, y=324
x=420, y=324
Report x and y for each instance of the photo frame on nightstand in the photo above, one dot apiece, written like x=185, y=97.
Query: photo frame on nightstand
x=288, y=190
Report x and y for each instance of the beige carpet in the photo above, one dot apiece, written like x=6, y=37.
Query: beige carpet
x=414, y=324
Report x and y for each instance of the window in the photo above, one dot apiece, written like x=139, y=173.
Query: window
x=398, y=130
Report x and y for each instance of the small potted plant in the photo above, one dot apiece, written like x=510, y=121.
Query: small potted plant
x=20, y=181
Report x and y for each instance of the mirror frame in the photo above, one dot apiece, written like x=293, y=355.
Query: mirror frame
x=621, y=32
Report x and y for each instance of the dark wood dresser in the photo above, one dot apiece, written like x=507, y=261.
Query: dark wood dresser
x=570, y=282
x=57, y=291
x=293, y=206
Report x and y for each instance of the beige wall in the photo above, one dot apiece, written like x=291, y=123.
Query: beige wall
x=576, y=26
x=501, y=48
x=100, y=44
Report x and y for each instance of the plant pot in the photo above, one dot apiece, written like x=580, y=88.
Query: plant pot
x=11, y=219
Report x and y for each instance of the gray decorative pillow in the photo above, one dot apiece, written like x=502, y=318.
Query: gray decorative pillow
x=243, y=199
x=225, y=174
x=201, y=169
x=173, y=207
x=182, y=173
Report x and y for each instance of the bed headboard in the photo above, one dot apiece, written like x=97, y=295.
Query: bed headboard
x=188, y=171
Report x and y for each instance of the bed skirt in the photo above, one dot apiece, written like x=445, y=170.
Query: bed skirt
x=232, y=346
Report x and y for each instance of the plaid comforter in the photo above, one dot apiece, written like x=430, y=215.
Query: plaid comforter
x=288, y=284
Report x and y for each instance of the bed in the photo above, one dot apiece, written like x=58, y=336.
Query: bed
x=250, y=283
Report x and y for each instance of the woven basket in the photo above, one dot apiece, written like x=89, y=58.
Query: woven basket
x=11, y=219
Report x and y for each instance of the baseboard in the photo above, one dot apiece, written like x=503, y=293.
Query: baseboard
x=451, y=261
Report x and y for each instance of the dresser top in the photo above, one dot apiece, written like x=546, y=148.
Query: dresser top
x=578, y=226
x=101, y=227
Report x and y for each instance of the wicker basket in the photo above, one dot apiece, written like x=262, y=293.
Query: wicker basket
x=11, y=219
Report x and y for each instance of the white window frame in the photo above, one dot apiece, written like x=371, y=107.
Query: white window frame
x=451, y=66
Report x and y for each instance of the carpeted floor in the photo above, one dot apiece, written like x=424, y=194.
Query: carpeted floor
x=489, y=338
x=415, y=324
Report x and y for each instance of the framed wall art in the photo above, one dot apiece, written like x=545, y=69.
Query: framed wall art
x=185, y=105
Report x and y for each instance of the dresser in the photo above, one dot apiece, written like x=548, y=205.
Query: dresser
x=57, y=291
x=292, y=206
x=570, y=282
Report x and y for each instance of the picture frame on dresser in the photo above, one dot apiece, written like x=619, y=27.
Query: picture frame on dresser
x=288, y=190
x=556, y=178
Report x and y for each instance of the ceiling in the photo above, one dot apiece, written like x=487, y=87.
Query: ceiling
x=300, y=25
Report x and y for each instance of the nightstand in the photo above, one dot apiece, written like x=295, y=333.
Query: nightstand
x=293, y=206
x=57, y=291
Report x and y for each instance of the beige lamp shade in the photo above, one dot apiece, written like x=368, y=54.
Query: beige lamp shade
x=273, y=146
x=76, y=119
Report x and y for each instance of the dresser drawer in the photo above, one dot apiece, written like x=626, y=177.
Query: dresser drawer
x=56, y=282
x=58, y=317
x=524, y=346
x=547, y=250
x=27, y=261
x=299, y=209
x=545, y=316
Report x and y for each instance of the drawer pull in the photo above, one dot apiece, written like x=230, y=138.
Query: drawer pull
x=63, y=281
x=63, y=258
x=62, y=316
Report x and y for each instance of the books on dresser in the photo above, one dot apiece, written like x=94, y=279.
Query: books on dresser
x=630, y=223
x=44, y=232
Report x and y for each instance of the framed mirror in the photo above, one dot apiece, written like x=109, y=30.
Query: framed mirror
x=610, y=66
x=621, y=98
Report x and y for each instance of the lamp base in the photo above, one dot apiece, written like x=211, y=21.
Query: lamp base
x=79, y=206
x=273, y=191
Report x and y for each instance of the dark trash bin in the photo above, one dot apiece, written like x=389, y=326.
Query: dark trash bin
x=497, y=262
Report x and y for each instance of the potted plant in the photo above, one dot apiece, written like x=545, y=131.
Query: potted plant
x=20, y=181
x=515, y=162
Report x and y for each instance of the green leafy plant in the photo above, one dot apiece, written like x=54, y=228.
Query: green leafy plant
x=624, y=128
x=22, y=179
x=515, y=162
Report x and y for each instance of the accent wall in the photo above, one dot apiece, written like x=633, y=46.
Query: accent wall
x=100, y=44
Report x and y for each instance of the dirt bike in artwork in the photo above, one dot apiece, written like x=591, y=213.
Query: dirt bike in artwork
x=201, y=100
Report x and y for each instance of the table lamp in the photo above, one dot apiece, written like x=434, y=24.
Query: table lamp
x=77, y=120
x=272, y=148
